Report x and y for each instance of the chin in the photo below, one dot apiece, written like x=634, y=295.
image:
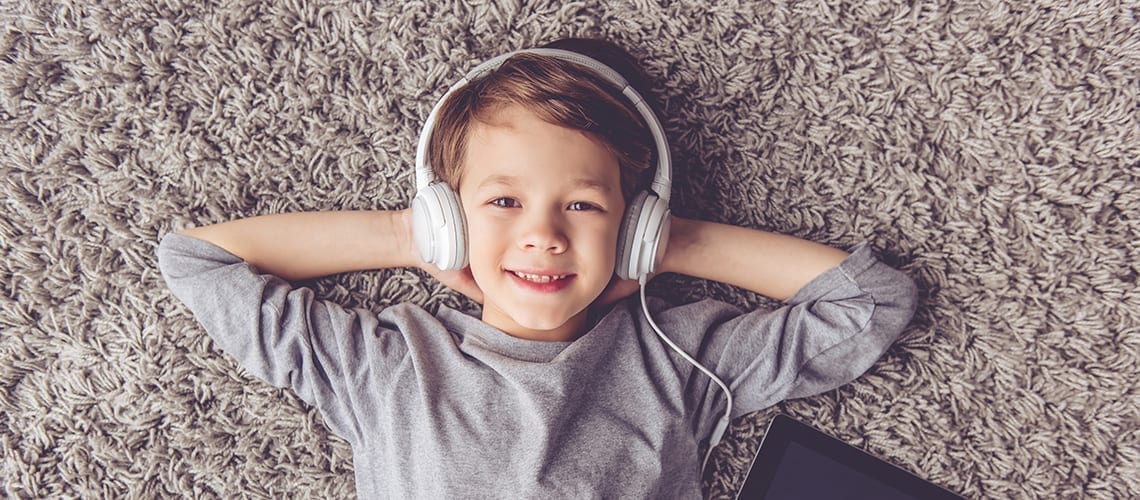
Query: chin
x=542, y=323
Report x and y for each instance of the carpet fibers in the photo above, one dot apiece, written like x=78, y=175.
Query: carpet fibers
x=991, y=149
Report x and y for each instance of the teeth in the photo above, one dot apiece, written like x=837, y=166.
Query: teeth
x=538, y=278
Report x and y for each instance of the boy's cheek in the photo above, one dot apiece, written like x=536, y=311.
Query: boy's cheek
x=477, y=228
x=478, y=220
x=478, y=262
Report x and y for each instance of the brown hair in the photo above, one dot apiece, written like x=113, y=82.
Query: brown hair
x=558, y=92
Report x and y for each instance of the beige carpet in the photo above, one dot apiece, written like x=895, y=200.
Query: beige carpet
x=990, y=149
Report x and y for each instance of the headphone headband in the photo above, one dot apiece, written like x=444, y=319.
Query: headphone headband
x=662, y=178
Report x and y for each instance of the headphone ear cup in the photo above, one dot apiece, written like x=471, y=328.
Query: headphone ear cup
x=655, y=213
x=626, y=244
x=439, y=227
x=643, y=236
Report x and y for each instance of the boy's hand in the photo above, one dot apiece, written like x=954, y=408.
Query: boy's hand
x=618, y=289
x=461, y=281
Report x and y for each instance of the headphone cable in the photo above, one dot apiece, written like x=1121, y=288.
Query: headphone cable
x=722, y=425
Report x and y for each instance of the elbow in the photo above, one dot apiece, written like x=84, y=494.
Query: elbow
x=894, y=308
x=165, y=256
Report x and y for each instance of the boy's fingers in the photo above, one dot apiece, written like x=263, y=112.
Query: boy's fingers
x=460, y=281
x=618, y=289
x=463, y=282
x=471, y=289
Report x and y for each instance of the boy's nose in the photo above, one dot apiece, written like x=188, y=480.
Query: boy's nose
x=543, y=234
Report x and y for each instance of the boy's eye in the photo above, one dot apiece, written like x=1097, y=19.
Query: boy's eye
x=505, y=202
x=581, y=205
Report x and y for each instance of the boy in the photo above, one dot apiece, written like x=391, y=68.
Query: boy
x=560, y=389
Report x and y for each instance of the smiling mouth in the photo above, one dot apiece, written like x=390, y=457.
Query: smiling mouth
x=540, y=278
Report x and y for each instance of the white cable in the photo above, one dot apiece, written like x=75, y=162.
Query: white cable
x=722, y=425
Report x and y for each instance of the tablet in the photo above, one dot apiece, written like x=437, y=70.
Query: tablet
x=796, y=461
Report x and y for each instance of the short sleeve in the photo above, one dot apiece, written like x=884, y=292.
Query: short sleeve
x=278, y=333
x=829, y=333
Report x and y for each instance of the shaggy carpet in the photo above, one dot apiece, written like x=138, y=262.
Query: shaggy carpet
x=991, y=149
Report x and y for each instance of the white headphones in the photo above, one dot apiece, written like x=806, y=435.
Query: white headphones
x=440, y=228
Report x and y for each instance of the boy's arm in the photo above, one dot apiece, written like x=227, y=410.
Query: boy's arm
x=303, y=245
x=773, y=265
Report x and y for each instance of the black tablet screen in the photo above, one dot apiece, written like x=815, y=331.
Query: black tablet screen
x=804, y=473
x=797, y=461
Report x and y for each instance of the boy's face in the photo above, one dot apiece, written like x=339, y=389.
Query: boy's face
x=543, y=206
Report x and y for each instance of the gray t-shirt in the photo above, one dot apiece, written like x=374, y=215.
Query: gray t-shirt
x=447, y=406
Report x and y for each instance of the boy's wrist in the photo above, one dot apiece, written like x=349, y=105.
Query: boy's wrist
x=683, y=234
x=405, y=240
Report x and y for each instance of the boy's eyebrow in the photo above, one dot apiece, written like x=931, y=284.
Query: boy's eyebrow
x=511, y=181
